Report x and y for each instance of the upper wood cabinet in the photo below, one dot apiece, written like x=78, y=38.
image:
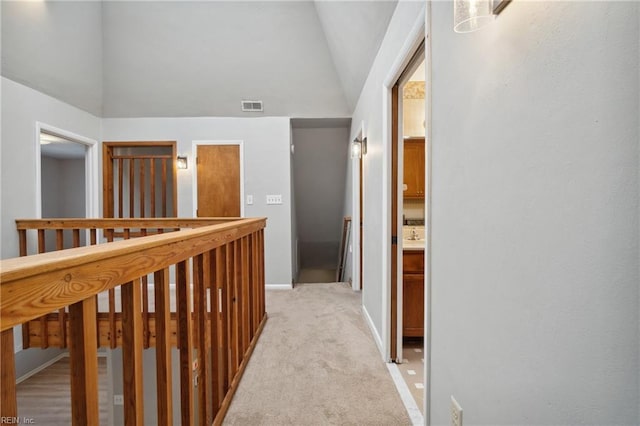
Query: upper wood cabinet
x=414, y=168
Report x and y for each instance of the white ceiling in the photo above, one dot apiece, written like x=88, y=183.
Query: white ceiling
x=189, y=58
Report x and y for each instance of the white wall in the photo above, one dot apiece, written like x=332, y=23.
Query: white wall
x=319, y=174
x=535, y=215
x=55, y=47
x=266, y=170
x=369, y=110
x=21, y=109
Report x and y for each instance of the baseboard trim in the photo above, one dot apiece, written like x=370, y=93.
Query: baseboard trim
x=376, y=336
x=417, y=419
x=278, y=286
x=41, y=367
x=48, y=364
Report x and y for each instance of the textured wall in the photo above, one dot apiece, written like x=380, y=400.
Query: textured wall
x=535, y=215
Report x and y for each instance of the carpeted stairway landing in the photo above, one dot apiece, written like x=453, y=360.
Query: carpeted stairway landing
x=316, y=364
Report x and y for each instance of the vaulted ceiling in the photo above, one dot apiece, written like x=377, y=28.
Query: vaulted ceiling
x=190, y=58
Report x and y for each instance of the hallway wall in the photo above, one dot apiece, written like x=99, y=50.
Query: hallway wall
x=369, y=112
x=266, y=170
x=535, y=215
x=21, y=108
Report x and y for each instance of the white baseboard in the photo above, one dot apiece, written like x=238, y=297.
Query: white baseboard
x=41, y=367
x=417, y=419
x=376, y=336
x=278, y=286
x=50, y=363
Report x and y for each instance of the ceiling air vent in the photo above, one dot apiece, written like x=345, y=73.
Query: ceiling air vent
x=252, y=106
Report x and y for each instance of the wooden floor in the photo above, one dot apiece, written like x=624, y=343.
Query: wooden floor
x=46, y=396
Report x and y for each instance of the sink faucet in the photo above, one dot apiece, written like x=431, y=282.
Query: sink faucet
x=414, y=234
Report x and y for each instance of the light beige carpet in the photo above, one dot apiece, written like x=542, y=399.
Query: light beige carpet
x=316, y=364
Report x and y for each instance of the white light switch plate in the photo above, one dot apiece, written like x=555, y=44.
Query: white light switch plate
x=274, y=199
x=249, y=199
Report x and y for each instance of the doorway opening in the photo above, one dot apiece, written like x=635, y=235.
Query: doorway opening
x=319, y=167
x=408, y=224
x=66, y=176
x=139, y=179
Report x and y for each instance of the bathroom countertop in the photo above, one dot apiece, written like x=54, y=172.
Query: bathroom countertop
x=408, y=244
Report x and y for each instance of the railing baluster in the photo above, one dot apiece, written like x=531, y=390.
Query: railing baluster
x=163, y=189
x=84, y=359
x=213, y=330
x=237, y=309
x=262, y=278
x=163, y=346
x=201, y=275
x=253, y=276
x=8, y=404
x=132, y=165
x=222, y=278
x=76, y=237
x=59, y=239
x=229, y=310
x=132, y=348
x=141, y=191
x=22, y=237
x=246, y=297
x=152, y=182
x=120, y=186
x=113, y=343
x=44, y=325
x=183, y=308
x=218, y=340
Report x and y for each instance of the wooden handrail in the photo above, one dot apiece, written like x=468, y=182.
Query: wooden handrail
x=93, y=223
x=220, y=266
x=35, y=285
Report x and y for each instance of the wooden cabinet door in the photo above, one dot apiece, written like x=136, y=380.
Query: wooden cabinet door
x=414, y=168
x=413, y=305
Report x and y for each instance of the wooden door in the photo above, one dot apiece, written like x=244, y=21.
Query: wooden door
x=218, y=180
x=414, y=168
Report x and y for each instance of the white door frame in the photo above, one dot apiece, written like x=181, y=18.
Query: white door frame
x=90, y=167
x=355, y=216
x=194, y=175
x=419, y=32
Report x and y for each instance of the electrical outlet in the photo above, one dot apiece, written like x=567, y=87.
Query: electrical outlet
x=274, y=199
x=456, y=413
x=118, y=400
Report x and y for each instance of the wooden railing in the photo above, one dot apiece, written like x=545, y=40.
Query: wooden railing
x=218, y=272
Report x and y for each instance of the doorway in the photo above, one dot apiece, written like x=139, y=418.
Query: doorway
x=139, y=179
x=218, y=182
x=408, y=197
x=66, y=175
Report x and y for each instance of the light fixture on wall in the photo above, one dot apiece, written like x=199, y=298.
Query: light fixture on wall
x=358, y=148
x=181, y=163
x=471, y=15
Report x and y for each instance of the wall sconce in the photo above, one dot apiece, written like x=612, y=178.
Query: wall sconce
x=358, y=148
x=181, y=163
x=471, y=15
